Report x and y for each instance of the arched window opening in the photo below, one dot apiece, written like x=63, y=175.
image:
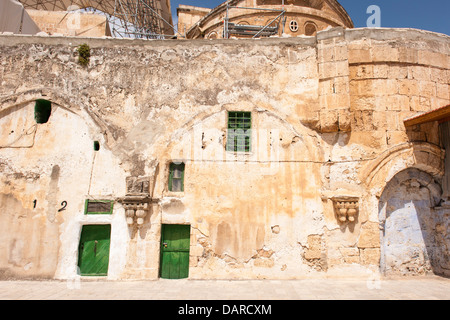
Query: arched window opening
x=42, y=110
x=310, y=29
x=213, y=35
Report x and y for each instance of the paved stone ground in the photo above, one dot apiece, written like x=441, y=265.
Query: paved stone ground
x=428, y=288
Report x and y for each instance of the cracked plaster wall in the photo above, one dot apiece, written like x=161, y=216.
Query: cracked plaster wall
x=327, y=117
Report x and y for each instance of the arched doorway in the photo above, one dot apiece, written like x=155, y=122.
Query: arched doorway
x=408, y=221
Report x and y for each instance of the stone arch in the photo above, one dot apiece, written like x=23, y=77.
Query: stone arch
x=35, y=94
x=407, y=223
x=420, y=155
x=57, y=164
x=236, y=234
x=298, y=136
x=72, y=104
x=424, y=179
x=213, y=35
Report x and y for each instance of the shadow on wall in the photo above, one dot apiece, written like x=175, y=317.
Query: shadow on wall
x=414, y=239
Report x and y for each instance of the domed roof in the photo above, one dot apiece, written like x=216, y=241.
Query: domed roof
x=321, y=13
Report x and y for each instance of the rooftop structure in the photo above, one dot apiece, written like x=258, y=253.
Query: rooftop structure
x=147, y=19
x=261, y=18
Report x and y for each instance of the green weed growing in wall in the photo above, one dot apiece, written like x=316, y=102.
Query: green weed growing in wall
x=84, y=53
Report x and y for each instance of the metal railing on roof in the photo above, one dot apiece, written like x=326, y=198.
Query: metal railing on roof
x=254, y=30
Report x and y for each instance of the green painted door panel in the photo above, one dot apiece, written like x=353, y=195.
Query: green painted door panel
x=93, y=251
x=175, y=242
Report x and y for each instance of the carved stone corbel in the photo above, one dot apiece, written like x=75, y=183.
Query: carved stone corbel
x=141, y=212
x=129, y=212
x=346, y=208
x=136, y=209
x=137, y=202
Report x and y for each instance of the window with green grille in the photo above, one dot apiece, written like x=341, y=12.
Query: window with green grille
x=176, y=177
x=239, y=131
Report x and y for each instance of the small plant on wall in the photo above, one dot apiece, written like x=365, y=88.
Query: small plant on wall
x=84, y=53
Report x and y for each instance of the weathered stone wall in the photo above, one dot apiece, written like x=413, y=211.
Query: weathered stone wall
x=327, y=137
x=42, y=166
x=411, y=224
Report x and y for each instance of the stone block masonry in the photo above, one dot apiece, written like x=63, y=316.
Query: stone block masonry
x=326, y=115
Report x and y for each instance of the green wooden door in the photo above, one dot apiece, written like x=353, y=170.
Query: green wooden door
x=175, y=242
x=93, y=251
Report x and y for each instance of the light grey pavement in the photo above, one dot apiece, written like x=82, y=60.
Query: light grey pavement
x=423, y=288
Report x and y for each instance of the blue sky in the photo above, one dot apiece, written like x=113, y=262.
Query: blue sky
x=432, y=15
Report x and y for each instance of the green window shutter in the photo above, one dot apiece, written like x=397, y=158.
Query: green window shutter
x=182, y=179
x=170, y=176
x=176, y=177
x=239, y=131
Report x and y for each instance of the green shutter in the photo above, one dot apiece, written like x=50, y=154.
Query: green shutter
x=182, y=179
x=170, y=176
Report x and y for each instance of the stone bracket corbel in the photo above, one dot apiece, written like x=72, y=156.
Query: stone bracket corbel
x=346, y=208
x=138, y=200
x=136, y=208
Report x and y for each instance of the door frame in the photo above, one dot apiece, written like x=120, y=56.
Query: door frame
x=163, y=226
x=79, y=253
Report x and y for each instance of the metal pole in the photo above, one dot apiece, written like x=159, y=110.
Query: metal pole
x=225, y=24
x=114, y=15
x=268, y=24
x=125, y=25
x=162, y=19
